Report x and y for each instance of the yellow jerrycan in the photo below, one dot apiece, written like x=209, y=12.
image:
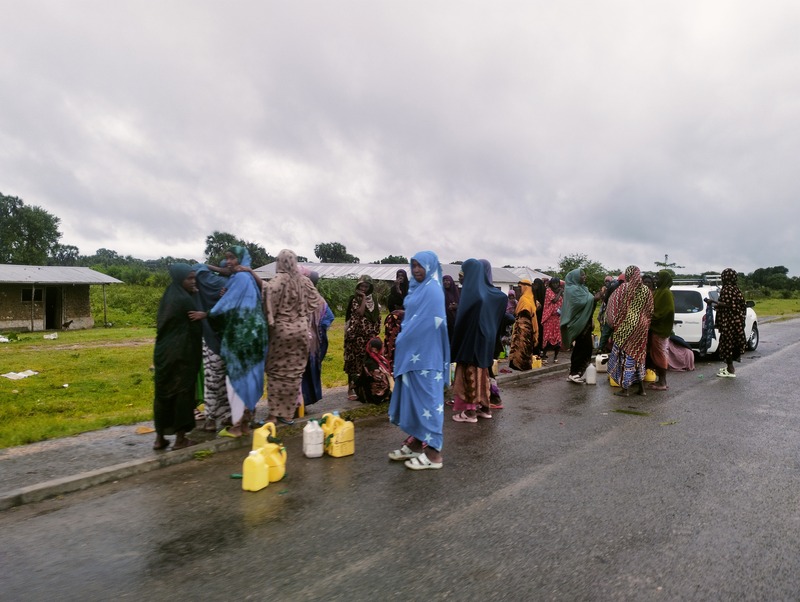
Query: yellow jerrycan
x=261, y=435
x=274, y=455
x=255, y=475
x=340, y=436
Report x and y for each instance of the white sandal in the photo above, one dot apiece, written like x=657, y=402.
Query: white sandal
x=422, y=462
x=404, y=453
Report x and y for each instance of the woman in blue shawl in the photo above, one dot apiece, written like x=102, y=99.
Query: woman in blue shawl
x=244, y=340
x=176, y=358
x=475, y=338
x=421, y=364
x=576, y=322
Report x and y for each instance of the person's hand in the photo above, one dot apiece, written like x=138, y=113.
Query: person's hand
x=194, y=316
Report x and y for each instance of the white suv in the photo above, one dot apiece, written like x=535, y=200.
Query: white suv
x=690, y=312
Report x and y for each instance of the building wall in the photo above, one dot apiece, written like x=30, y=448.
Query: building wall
x=72, y=303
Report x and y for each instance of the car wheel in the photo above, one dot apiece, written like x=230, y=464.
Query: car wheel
x=752, y=343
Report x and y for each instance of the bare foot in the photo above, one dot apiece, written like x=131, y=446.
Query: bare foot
x=181, y=443
x=161, y=443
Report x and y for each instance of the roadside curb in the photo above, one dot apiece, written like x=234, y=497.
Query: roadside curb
x=115, y=472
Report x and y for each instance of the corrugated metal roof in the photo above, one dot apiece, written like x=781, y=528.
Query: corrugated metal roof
x=381, y=271
x=529, y=273
x=45, y=274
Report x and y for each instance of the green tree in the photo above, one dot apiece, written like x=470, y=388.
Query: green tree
x=595, y=272
x=216, y=245
x=28, y=235
x=68, y=255
x=393, y=259
x=334, y=252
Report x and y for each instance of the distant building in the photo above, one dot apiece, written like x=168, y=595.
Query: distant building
x=36, y=298
x=501, y=277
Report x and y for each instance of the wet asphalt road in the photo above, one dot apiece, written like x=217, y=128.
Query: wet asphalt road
x=559, y=497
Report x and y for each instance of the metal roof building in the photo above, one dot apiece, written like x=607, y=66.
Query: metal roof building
x=35, y=297
x=502, y=277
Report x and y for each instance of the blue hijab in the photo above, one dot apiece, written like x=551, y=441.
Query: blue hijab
x=422, y=343
x=480, y=312
x=244, y=334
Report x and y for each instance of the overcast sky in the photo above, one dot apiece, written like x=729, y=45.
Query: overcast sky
x=521, y=132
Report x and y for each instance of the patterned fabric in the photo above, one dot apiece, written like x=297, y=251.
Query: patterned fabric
x=731, y=315
x=624, y=369
x=218, y=410
x=551, y=319
x=391, y=328
x=629, y=311
x=471, y=388
x=244, y=338
x=422, y=357
x=359, y=329
x=290, y=299
x=523, y=340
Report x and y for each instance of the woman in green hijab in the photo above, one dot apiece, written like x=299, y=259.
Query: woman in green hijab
x=177, y=357
x=661, y=328
x=576, y=322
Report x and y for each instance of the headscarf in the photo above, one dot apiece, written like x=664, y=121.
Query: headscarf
x=244, y=335
x=576, y=312
x=179, y=341
x=209, y=286
x=732, y=300
x=629, y=311
x=372, y=310
x=451, y=294
x=663, y=306
x=511, y=304
x=377, y=356
x=290, y=295
x=479, y=316
x=538, y=292
x=422, y=343
x=526, y=300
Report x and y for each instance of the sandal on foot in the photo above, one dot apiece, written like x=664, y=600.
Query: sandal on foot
x=161, y=446
x=495, y=406
x=183, y=444
x=422, y=462
x=226, y=433
x=283, y=420
x=483, y=414
x=462, y=417
x=404, y=453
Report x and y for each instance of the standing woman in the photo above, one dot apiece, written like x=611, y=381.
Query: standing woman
x=421, y=365
x=526, y=329
x=731, y=314
x=362, y=323
x=538, y=297
x=551, y=319
x=576, y=323
x=661, y=328
x=629, y=311
x=244, y=340
x=290, y=299
x=480, y=314
x=452, y=294
x=177, y=357
x=318, y=323
x=398, y=291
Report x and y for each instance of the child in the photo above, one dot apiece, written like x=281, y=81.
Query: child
x=375, y=383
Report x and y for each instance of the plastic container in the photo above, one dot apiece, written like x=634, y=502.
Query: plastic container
x=590, y=375
x=340, y=438
x=536, y=362
x=255, y=475
x=261, y=435
x=650, y=376
x=275, y=459
x=313, y=440
x=601, y=362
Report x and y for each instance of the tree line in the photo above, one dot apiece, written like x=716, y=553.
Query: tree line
x=29, y=235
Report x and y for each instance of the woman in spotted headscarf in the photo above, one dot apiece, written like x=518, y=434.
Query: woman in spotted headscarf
x=730, y=319
x=629, y=312
x=362, y=323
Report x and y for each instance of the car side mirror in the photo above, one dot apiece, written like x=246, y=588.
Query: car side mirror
x=750, y=303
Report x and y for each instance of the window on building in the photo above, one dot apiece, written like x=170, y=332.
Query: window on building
x=26, y=295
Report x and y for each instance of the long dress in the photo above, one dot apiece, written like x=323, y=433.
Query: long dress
x=551, y=320
x=480, y=314
x=358, y=331
x=662, y=321
x=290, y=299
x=422, y=358
x=731, y=316
x=311, y=384
x=629, y=311
x=244, y=339
x=576, y=321
x=176, y=357
x=525, y=335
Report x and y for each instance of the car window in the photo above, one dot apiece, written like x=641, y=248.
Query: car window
x=687, y=302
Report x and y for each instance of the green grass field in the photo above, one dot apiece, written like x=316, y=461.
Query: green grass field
x=90, y=379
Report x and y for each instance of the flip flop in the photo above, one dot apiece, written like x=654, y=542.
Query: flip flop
x=283, y=420
x=462, y=417
x=186, y=443
x=482, y=414
x=161, y=446
x=226, y=433
x=422, y=462
x=404, y=453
